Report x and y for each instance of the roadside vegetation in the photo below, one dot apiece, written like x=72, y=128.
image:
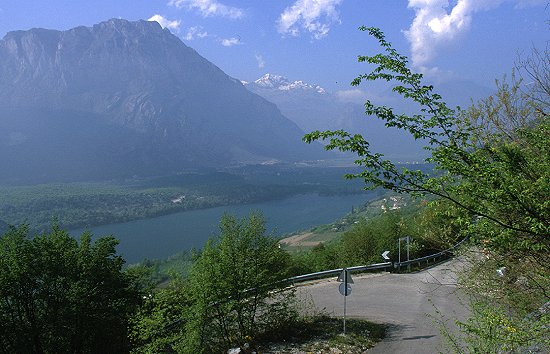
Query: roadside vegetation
x=231, y=297
x=230, y=294
x=363, y=235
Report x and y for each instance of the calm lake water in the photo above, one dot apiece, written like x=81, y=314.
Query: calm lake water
x=166, y=235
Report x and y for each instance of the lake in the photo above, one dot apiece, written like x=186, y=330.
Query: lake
x=163, y=236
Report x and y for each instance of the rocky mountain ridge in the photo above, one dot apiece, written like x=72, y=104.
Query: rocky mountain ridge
x=313, y=108
x=125, y=98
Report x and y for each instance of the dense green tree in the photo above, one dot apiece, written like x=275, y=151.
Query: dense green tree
x=159, y=325
x=232, y=287
x=63, y=296
x=321, y=257
x=438, y=225
x=367, y=239
x=231, y=297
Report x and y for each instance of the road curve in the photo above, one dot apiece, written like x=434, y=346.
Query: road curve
x=405, y=302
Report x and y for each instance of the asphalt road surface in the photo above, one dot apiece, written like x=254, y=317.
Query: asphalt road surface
x=405, y=302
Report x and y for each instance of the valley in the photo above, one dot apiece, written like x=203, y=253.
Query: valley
x=87, y=204
x=161, y=237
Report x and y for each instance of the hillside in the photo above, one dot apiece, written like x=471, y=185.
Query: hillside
x=312, y=107
x=127, y=98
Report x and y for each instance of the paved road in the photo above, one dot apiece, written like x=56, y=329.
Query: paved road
x=402, y=301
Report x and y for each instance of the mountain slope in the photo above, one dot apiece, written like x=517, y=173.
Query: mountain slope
x=312, y=107
x=124, y=98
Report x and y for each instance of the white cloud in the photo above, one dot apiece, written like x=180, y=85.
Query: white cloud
x=436, y=74
x=260, y=60
x=166, y=23
x=195, y=32
x=352, y=95
x=314, y=16
x=229, y=42
x=209, y=8
x=434, y=25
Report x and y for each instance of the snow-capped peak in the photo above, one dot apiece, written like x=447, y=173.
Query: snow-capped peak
x=271, y=81
x=279, y=82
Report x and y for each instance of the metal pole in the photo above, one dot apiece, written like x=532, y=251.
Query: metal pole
x=345, y=295
x=399, y=252
x=408, y=266
x=408, y=238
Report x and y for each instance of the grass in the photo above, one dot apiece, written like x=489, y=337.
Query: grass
x=330, y=232
x=324, y=334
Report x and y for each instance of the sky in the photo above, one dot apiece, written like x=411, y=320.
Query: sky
x=318, y=41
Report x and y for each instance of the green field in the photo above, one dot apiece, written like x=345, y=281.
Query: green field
x=86, y=204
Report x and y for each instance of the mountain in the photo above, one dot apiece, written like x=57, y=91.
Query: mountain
x=281, y=83
x=312, y=107
x=127, y=98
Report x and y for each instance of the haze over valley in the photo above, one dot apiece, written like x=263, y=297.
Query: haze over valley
x=135, y=119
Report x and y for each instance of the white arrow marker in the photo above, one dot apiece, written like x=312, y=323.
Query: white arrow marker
x=385, y=255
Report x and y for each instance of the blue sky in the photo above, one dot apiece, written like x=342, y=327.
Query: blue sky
x=317, y=40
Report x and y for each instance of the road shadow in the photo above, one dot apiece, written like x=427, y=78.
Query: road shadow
x=419, y=337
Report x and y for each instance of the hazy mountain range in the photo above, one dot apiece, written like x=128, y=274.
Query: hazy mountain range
x=127, y=98
x=312, y=107
x=123, y=98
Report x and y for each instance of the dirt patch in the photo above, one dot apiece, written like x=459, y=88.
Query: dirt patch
x=300, y=240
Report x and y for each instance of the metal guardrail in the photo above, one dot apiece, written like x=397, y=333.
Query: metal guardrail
x=324, y=273
x=302, y=278
x=448, y=251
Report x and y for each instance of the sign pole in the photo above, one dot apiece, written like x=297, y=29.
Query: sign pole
x=345, y=296
x=399, y=252
x=345, y=289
